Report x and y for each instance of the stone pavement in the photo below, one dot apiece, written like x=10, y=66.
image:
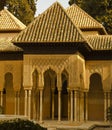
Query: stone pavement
x=67, y=125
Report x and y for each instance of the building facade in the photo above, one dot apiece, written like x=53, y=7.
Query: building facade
x=58, y=68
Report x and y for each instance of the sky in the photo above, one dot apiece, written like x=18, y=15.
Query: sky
x=42, y=5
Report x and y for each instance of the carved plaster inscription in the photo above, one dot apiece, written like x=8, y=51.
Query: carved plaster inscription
x=46, y=62
x=96, y=68
x=8, y=68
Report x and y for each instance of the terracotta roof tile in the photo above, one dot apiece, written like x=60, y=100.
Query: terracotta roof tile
x=9, y=22
x=54, y=25
x=82, y=19
x=100, y=42
x=7, y=46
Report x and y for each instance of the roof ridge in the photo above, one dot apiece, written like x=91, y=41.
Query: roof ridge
x=46, y=11
x=99, y=35
x=85, y=20
x=85, y=13
x=13, y=18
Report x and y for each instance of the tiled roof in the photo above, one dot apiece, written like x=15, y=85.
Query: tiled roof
x=100, y=42
x=82, y=19
x=54, y=25
x=7, y=46
x=9, y=22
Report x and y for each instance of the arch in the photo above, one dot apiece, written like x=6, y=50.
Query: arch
x=8, y=95
x=49, y=85
x=64, y=95
x=95, y=98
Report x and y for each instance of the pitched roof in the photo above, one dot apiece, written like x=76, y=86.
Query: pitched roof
x=82, y=19
x=54, y=25
x=9, y=22
x=100, y=42
x=7, y=46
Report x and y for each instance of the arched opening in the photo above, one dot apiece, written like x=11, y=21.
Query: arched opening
x=35, y=96
x=49, y=85
x=8, y=94
x=95, y=98
x=64, y=96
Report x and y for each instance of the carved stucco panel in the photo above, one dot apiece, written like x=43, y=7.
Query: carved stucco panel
x=44, y=63
x=104, y=69
x=8, y=68
x=90, y=69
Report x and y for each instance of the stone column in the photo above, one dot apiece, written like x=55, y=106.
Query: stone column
x=52, y=103
x=75, y=106
x=41, y=87
x=81, y=106
x=1, y=101
x=108, y=99
x=71, y=98
x=69, y=107
x=86, y=106
x=105, y=105
x=29, y=104
x=26, y=103
x=41, y=104
x=59, y=105
x=59, y=86
x=18, y=105
x=15, y=103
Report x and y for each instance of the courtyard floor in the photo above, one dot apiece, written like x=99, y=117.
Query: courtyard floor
x=67, y=125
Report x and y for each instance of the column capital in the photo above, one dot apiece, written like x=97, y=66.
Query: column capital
x=40, y=88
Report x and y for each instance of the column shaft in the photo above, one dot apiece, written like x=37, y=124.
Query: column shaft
x=69, y=107
x=71, y=97
x=41, y=104
x=52, y=104
x=105, y=105
x=15, y=103
x=86, y=106
x=26, y=103
x=29, y=103
x=108, y=99
x=1, y=102
x=59, y=105
x=75, y=105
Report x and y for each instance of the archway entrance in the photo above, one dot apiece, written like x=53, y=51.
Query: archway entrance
x=64, y=96
x=48, y=94
x=95, y=98
x=8, y=94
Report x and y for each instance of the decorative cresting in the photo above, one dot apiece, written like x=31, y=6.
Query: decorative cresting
x=102, y=68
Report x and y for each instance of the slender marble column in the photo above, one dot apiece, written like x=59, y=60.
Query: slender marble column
x=69, y=105
x=81, y=106
x=1, y=101
x=108, y=99
x=29, y=103
x=41, y=104
x=15, y=103
x=105, y=105
x=52, y=103
x=26, y=103
x=75, y=105
x=59, y=105
x=59, y=86
x=71, y=97
x=86, y=106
